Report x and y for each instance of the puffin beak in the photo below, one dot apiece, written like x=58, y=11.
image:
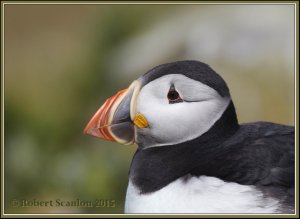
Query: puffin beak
x=114, y=119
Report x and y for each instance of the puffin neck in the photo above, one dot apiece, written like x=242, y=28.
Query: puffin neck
x=155, y=167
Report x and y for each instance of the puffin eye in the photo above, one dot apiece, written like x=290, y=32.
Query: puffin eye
x=173, y=95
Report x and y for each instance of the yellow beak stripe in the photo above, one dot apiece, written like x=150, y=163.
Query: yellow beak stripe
x=140, y=121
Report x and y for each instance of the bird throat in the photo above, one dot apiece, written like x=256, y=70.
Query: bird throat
x=153, y=168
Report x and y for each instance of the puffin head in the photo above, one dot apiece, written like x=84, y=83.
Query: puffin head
x=170, y=104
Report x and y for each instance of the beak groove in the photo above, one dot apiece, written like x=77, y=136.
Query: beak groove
x=112, y=121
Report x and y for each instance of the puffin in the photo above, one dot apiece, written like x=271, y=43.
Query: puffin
x=192, y=154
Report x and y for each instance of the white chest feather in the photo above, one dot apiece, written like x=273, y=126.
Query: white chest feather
x=200, y=195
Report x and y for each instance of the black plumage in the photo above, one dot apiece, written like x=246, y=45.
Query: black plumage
x=196, y=70
x=260, y=153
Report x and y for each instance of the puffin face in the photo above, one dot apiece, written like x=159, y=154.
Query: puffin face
x=170, y=104
x=177, y=109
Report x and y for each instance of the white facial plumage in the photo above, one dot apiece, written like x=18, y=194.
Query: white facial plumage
x=174, y=123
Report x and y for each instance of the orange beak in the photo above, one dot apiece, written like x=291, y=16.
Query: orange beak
x=113, y=120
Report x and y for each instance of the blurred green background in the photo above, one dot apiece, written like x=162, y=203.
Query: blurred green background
x=63, y=61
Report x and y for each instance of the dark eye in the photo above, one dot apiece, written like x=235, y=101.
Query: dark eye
x=174, y=96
